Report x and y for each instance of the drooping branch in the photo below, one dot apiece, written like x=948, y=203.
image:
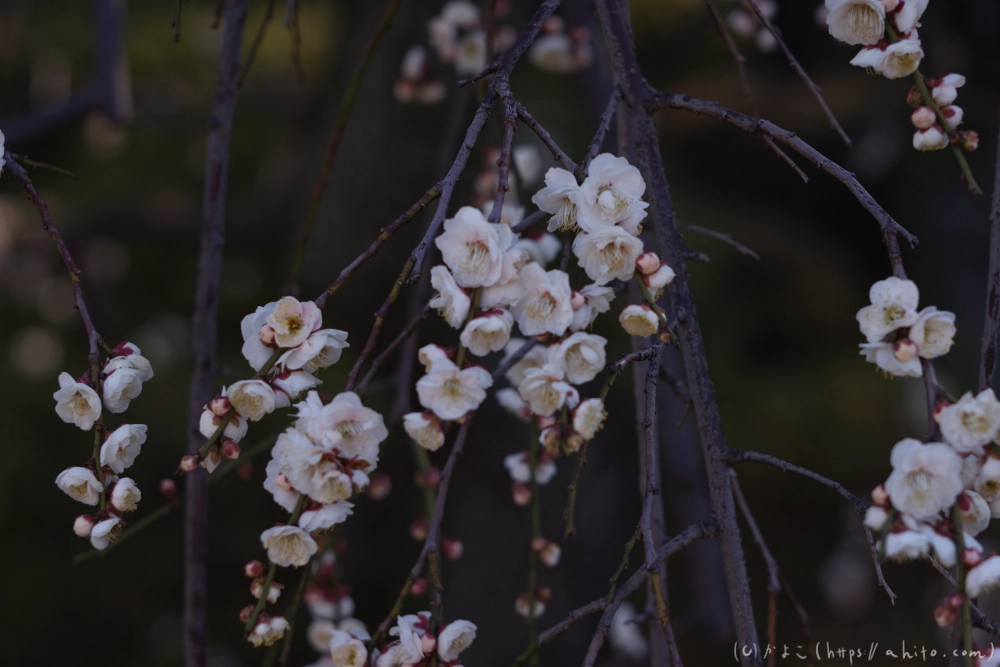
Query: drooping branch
x=603, y=126
x=991, y=323
x=377, y=362
x=721, y=236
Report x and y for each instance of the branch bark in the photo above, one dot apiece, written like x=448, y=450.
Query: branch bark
x=991, y=324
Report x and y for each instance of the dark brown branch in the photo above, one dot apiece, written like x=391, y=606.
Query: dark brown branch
x=205, y=324
x=721, y=236
x=991, y=324
x=343, y=115
x=503, y=162
x=603, y=126
x=801, y=72
x=529, y=221
x=390, y=348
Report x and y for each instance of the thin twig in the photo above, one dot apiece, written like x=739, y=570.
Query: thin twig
x=991, y=324
x=721, y=236
x=44, y=165
x=602, y=131
x=377, y=362
x=529, y=221
x=257, y=41
x=546, y=138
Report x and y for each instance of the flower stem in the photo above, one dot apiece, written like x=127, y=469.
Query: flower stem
x=648, y=298
x=476, y=294
x=956, y=520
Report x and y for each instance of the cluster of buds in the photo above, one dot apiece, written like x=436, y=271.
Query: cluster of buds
x=937, y=125
x=99, y=482
x=745, y=23
x=523, y=605
x=562, y=50
x=267, y=629
x=654, y=274
x=548, y=552
x=417, y=82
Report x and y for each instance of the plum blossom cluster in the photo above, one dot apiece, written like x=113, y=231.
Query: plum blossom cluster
x=285, y=344
x=899, y=335
x=334, y=632
x=98, y=482
x=420, y=641
x=561, y=50
x=744, y=22
x=887, y=32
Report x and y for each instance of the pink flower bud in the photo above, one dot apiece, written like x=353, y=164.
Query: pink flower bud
x=955, y=600
x=246, y=613
x=944, y=615
x=647, y=263
x=220, y=406
x=418, y=530
x=538, y=543
x=281, y=481
x=521, y=493
x=970, y=139
x=431, y=478
x=452, y=548
x=428, y=643
x=879, y=496
x=660, y=278
x=419, y=587
x=230, y=449
x=253, y=569
x=380, y=486
x=267, y=335
x=971, y=557
x=544, y=593
x=83, y=525
x=189, y=463
x=964, y=502
x=904, y=349
x=922, y=118
x=168, y=488
x=577, y=300
x=550, y=554
x=545, y=422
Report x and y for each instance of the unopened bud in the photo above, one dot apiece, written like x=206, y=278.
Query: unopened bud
x=267, y=335
x=379, y=486
x=281, y=481
x=955, y=601
x=521, y=493
x=923, y=117
x=939, y=408
x=550, y=554
x=168, y=488
x=428, y=643
x=904, y=349
x=418, y=530
x=419, y=587
x=83, y=525
x=452, y=548
x=189, y=463
x=647, y=263
x=220, y=406
x=431, y=478
x=538, y=543
x=577, y=300
x=914, y=98
x=879, y=495
x=544, y=593
x=253, y=569
x=660, y=278
x=971, y=557
x=230, y=450
x=970, y=139
x=246, y=613
x=573, y=443
x=273, y=591
x=945, y=615
x=964, y=502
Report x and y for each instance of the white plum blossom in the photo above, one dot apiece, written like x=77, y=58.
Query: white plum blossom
x=429, y=355
x=931, y=138
x=894, y=61
x=327, y=482
x=542, y=247
x=449, y=392
x=608, y=253
x=122, y=446
x=588, y=418
x=908, y=15
x=933, y=332
x=410, y=629
x=875, y=518
x=133, y=360
x=971, y=422
x=983, y=577
x=77, y=403
x=294, y=321
x=252, y=399
x=945, y=90
x=856, y=21
x=455, y=638
x=624, y=634
x=507, y=290
x=597, y=300
x=344, y=425
x=255, y=351
x=325, y=516
x=546, y=390
x=105, y=532
x=559, y=197
x=511, y=401
x=908, y=543
x=470, y=53
x=925, y=479
x=885, y=356
x=120, y=387
x=534, y=358
x=236, y=429
x=80, y=484
x=347, y=651
x=268, y=631
x=487, y=332
x=519, y=467
x=639, y=320
x=125, y=496
x=288, y=545
x=285, y=497
x=473, y=248
x=322, y=349
x=975, y=512
x=611, y=195
x=451, y=301
x=893, y=305
x=581, y=356
x=424, y=429
x=545, y=306
x=987, y=481
x=289, y=385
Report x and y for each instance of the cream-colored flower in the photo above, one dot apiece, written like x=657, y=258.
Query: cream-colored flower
x=897, y=60
x=424, y=429
x=581, y=356
x=449, y=392
x=133, y=360
x=76, y=403
x=288, y=546
x=255, y=351
x=455, y=638
x=451, y=301
x=488, y=332
x=639, y=320
x=252, y=399
x=884, y=355
x=925, y=479
x=545, y=390
x=856, y=21
x=120, y=387
x=322, y=349
x=545, y=306
x=345, y=425
x=473, y=248
x=893, y=306
x=122, y=446
x=612, y=195
x=597, y=300
x=105, y=532
x=971, y=422
x=559, y=197
x=933, y=332
x=588, y=418
x=470, y=53
x=293, y=321
x=347, y=651
x=80, y=484
x=125, y=496
x=326, y=516
x=607, y=254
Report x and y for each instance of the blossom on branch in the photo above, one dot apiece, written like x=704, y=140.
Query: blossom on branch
x=77, y=403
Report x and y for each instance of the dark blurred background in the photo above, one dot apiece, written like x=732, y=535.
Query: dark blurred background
x=781, y=334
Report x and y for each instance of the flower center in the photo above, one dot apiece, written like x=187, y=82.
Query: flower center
x=892, y=314
x=919, y=483
x=79, y=404
x=477, y=257
x=453, y=388
x=349, y=429
x=864, y=22
x=541, y=306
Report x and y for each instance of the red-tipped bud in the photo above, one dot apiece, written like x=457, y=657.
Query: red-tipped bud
x=168, y=488
x=452, y=548
x=550, y=554
x=419, y=587
x=220, y=406
x=945, y=615
x=253, y=569
x=380, y=486
x=964, y=502
x=428, y=643
x=544, y=593
x=246, y=613
x=230, y=450
x=923, y=117
x=955, y=600
x=430, y=478
x=539, y=543
x=83, y=525
x=904, y=349
x=939, y=408
x=273, y=591
x=660, y=278
x=189, y=463
x=971, y=557
x=267, y=335
x=577, y=300
x=521, y=493
x=647, y=263
x=418, y=529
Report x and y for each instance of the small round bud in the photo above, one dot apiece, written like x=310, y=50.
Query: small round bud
x=945, y=615
x=281, y=481
x=253, y=569
x=970, y=139
x=220, y=406
x=83, y=525
x=879, y=496
x=246, y=613
x=380, y=486
x=964, y=502
x=550, y=554
x=168, y=488
x=230, y=450
x=544, y=593
x=521, y=493
x=189, y=463
x=971, y=557
x=418, y=529
x=419, y=587
x=955, y=601
x=539, y=543
x=660, y=278
x=432, y=477
x=647, y=263
x=267, y=335
x=577, y=300
x=428, y=643
x=452, y=548
x=904, y=349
